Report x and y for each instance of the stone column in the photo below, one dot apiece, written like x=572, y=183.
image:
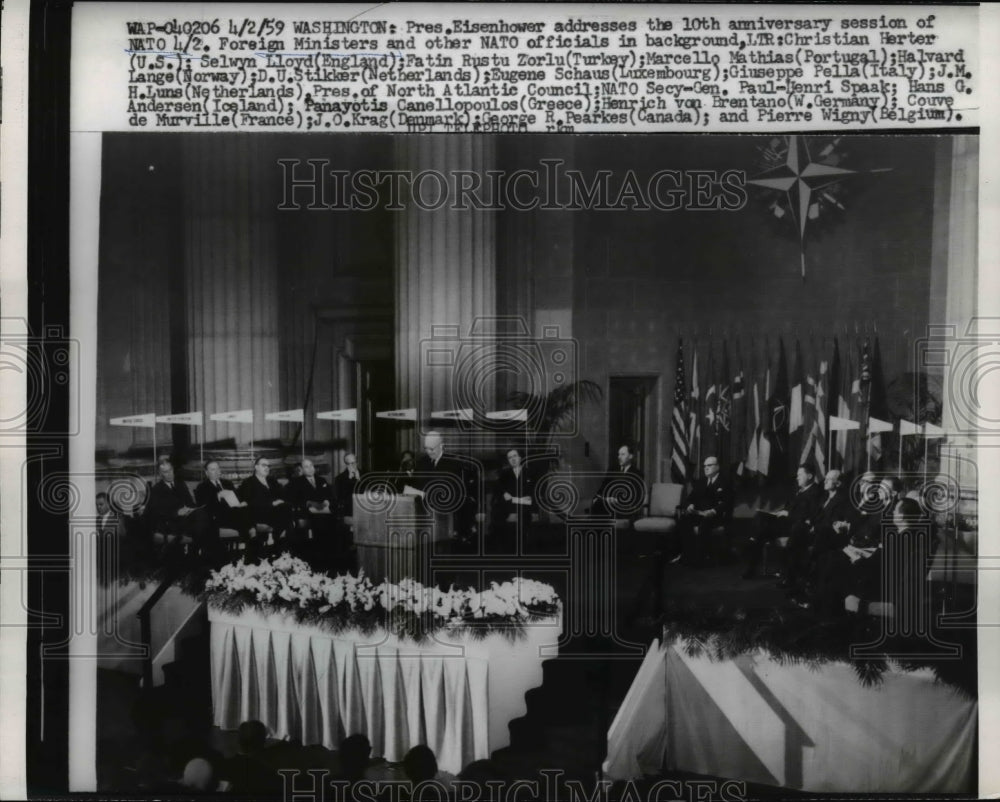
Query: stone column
x=954, y=260
x=445, y=273
x=231, y=284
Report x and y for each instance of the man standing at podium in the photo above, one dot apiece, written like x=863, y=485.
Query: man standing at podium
x=434, y=460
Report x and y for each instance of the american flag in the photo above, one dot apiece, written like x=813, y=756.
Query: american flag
x=678, y=422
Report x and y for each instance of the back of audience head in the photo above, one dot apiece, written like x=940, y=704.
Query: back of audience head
x=251, y=737
x=354, y=752
x=199, y=775
x=419, y=764
x=481, y=772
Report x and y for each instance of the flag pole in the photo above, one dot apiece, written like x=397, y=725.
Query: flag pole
x=900, y=469
x=868, y=421
x=154, y=449
x=201, y=447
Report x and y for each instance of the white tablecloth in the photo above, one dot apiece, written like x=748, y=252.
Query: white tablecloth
x=799, y=726
x=455, y=694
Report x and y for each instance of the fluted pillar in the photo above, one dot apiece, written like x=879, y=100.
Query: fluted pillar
x=231, y=275
x=445, y=272
x=954, y=289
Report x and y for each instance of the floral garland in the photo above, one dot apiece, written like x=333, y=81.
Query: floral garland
x=288, y=585
x=795, y=636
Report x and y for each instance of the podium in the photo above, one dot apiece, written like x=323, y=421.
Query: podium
x=395, y=541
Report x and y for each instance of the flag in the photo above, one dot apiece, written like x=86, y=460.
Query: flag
x=453, y=414
x=398, y=414
x=508, y=414
x=189, y=418
x=877, y=404
x=857, y=445
x=694, y=411
x=147, y=421
x=289, y=415
x=723, y=411
x=932, y=431
x=738, y=424
x=796, y=422
x=908, y=428
x=766, y=421
x=236, y=416
x=777, y=407
x=844, y=436
x=753, y=425
x=839, y=424
x=709, y=422
x=876, y=425
x=833, y=406
x=814, y=419
x=679, y=461
x=339, y=414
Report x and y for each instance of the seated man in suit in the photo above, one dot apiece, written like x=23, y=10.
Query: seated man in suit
x=173, y=513
x=613, y=498
x=215, y=494
x=794, y=520
x=345, y=484
x=312, y=500
x=857, y=573
x=265, y=499
x=434, y=460
x=710, y=505
x=827, y=531
x=514, y=495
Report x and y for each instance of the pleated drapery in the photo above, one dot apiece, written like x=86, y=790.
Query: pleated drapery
x=232, y=267
x=794, y=725
x=445, y=268
x=455, y=694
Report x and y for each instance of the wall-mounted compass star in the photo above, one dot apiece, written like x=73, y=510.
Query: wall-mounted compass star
x=803, y=181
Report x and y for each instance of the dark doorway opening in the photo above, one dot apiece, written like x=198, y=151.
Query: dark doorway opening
x=631, y=419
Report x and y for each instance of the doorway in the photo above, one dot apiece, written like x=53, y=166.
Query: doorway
x=631, y=419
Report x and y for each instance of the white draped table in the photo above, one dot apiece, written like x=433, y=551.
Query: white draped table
x=454, y=693
x=793, y=725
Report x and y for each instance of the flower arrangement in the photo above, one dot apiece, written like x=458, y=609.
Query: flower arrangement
x=288, y=584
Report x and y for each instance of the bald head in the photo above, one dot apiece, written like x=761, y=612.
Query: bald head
x=198, y=774
x=433, y=444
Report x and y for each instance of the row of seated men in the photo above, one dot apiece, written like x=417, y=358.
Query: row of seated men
x=836, y=547
x=259, y=507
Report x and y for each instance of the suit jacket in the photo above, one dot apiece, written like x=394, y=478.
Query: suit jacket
x=344, y=487
x=447, y=464
x=260, y=499
x=517, y=486
x=164, y=503
x=600, y=505
x=803, y=507
x=207, y=495
x=300, y=492
x=108, y=524
x=718, y=497
x=830, y=511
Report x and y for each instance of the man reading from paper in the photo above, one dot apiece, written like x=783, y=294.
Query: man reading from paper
x=434, y=460
x=172, y=511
